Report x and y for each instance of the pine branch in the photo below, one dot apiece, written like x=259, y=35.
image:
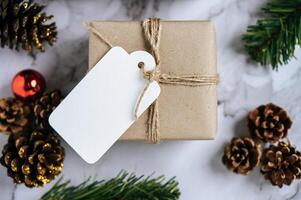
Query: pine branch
x=123, y=187
x=273, y=39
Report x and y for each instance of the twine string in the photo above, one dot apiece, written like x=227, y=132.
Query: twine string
x=91, y=28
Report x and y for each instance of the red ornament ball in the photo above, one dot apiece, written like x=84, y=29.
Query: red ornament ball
x=28, y=84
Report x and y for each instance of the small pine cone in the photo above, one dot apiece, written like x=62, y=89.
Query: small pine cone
x=33, y=158
x=14, y=115
x=281, y=164
x=44, y=106
x=269, y=123
x=241, y=155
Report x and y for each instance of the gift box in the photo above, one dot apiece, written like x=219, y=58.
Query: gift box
x=186, y=47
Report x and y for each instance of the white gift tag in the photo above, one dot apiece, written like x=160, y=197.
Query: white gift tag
x=101, y=107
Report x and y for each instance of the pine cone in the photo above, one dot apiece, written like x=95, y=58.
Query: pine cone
x=22, y=23
x=269, y=123
x=281, y=164
x=33, y=158
x=14, y=115
x=241, y=155
x=44, y=107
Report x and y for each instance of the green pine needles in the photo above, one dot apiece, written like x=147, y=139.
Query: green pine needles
x=273, y=39
x=123, y=187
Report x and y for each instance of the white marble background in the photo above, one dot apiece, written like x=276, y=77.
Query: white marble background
x=244, y=85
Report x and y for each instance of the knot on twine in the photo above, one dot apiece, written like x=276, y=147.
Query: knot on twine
x=152, y=29
x=152, y=75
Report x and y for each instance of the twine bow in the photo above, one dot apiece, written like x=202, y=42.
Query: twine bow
x=152, y=29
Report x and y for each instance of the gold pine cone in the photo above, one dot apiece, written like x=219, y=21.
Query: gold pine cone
x=33, y=158
x=269, y=123
x=14, y=115
x=44, y=106
x=281, y=164
x=241, y=155
x=23, y=24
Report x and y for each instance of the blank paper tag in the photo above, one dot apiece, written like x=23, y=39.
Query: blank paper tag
x=101, y=107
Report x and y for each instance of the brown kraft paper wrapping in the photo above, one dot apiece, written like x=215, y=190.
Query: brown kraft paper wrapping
x=186, y=47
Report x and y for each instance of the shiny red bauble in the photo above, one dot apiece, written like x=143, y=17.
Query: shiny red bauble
x=28, y=84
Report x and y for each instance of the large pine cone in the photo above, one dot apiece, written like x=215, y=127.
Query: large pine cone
x=14, y=115
x=33, y=158
x=241, y=155
x=23, y=24
x=269, y=123
x=281, y=164
x=44, y=107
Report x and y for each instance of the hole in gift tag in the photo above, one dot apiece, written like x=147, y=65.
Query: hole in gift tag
x=143, y=59
x=140, y=65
